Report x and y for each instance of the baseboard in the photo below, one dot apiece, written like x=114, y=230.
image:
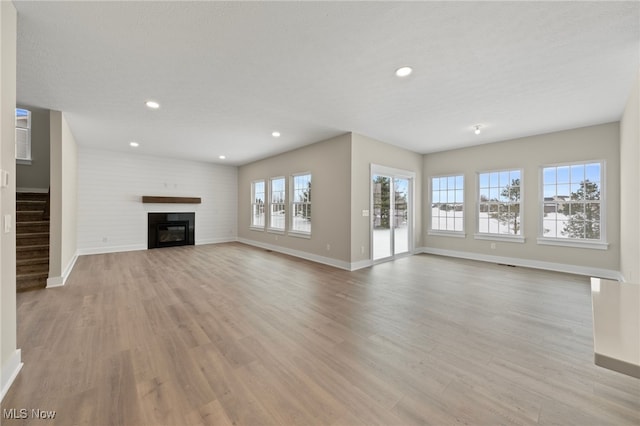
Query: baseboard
x=528, y=263
x=111, y=249
x=614, y=364
x=9, y=372
x=60, y=281
x=361, y=264
x=38, y=190
x=297, y=253
x=216, y=241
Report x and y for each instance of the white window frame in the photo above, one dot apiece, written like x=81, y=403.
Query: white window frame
x=25, y=131
x=254, y=204
x=270, y=227
x=293, y=203
x=494, y=236
x=600, y=244
x=444, y=232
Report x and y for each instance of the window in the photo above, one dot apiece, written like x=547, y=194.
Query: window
x=277, y=204
x=301, y=204
x=447, y=204
x=500, y=197
x=572, y=204
x=257, y=203
x=23, y=136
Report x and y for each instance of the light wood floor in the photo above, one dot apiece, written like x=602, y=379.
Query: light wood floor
x=229, y=334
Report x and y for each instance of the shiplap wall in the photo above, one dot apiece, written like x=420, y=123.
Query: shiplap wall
x=112, y=217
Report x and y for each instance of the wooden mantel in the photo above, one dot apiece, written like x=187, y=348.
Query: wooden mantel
x=171, y=200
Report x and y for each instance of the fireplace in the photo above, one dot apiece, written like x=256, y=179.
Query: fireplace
x=171, y=229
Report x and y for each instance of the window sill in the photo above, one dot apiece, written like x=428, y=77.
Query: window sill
x=455, y=234
x=256, y=228
x=299, y=234
x=585, y=244
x=275, y=231
x=498, y=237
x=23, y=162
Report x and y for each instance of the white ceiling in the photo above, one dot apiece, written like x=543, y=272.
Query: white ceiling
x=228, y=74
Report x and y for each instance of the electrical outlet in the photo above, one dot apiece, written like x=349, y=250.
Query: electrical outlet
x=493, y=246
x=328, y=247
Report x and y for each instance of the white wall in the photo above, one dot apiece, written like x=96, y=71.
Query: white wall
x=112, y=217
x=64, y=200
x=601, y=142
x=64, y=215
x=10, y=359
x=630, y=187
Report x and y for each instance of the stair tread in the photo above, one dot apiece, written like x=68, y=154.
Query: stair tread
x=33, y=247
x=32, y=234
x=32, y=261
x=28, y=275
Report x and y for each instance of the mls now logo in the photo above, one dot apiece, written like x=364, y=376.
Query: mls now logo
x=23, y=413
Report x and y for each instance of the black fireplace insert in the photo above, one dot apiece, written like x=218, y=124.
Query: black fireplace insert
x=171, y=229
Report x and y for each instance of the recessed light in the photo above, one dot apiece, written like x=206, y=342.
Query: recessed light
x=134, y=144
x=404, y=71
x=222, y=157
x=477, y=129
x=275, y=134
x=152, y=104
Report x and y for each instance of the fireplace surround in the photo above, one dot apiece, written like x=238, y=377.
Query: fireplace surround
x=170, y=229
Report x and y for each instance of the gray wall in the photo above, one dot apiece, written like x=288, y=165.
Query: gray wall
x=341, y=190
x=329, y=164
x=590, y=143
x=36, y=175
x=364, y=152
x=630, y=187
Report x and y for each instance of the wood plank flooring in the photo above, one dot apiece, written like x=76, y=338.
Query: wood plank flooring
x=230, y=334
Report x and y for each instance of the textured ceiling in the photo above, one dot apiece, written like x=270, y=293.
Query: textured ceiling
x=228, y=74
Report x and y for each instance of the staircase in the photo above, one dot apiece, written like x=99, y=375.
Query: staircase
x=32, y=240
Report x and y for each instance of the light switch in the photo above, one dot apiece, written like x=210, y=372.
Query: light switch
x=7, y=223
x=4, y=178
x=365, y=213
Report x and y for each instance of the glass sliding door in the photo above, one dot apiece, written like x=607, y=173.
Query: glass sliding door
x=400, y=215
x=391, y=221
x=381, y=217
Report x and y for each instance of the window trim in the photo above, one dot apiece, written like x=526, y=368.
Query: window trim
x=253, y=197
x=494, y=236
x=271, y=229
x=600, y=244
x=28, y=160
x=444, y=232
x=297, y=232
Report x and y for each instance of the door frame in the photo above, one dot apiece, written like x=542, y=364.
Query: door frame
x=377, y=169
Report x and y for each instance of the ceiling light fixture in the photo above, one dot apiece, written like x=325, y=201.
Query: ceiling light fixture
x=134, y=144
x=275, y=134
x=152, y=104
x=477, y=129
x=403, y=71
x=222, y=157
